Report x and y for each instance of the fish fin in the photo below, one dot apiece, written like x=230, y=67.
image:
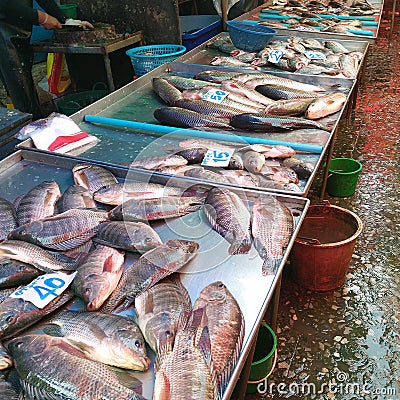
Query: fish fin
x=162, y=389
x=67, y=346
x=53, y=329
x=109, y=265
x=34, y=392
x=240, y=247
x=270, y=266
x=128, y=379
x=149, y=302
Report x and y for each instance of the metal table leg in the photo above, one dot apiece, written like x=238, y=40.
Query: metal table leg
x=110, y=79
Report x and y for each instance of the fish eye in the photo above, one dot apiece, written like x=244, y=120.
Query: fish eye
x=10, y=318
x=169, y=334
x=138, y=343
x=221, y=285
x=88, y=290
x=19, y=344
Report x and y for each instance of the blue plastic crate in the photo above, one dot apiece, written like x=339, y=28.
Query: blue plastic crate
x=197, y=29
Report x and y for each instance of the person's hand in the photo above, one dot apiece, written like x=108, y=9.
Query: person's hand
x=78, y=22
x=47, y=21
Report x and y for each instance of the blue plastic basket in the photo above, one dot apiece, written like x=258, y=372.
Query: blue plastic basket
x=249, y=37
x=145, y=58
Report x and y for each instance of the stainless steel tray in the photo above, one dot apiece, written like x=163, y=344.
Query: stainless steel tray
x=242, y=273
x=136, y=102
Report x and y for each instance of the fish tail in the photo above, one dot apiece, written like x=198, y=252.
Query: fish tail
x=240, y=247
x=270, y=266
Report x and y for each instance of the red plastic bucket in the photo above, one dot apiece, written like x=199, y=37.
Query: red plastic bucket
x=322, y=251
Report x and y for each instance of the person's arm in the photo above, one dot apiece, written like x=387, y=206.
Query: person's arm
x=51, y=8
x=16, y=11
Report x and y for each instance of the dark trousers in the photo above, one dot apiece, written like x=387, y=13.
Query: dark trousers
x=16, y=60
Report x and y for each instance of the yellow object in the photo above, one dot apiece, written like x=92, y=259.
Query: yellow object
x=57, y=73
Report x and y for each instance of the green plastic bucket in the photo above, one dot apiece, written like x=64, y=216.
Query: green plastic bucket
x=69, y=10
x=343, y=176
x=264, y=358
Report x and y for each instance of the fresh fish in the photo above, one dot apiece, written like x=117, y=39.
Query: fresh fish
x=14, y=273
x=111, y=339
x=175, y=170
x=216, y=76
x=92, y=177
x=17, y=314
x=40, y=258
x=280, y=174
x=277, y=92
x=269, y=151
x=253, y=161
x=303, y=169
x=268, y=123
x=236, y=162
x=348, y=66
x=7, y=391
x=187, y=373
x=119, y=192
x=49, y=368
x=155, y=209
x=312, y=44
x=230, y=61
x=63, y=231
x=183, y=83
x=158, y=312
x=182, y=118
x=242, y=89
x=205, y=174
x=168, y=93
x=5, y=362
x=127, y=235
x=242, y=178
x=75, y=197
x=225, y=324
x=8, y=218
x=313, y=69
x=326, y=105
x=98, y=275
x=229, y=216
x=336, y=47
x=4, y=293
x=293, y=107
x=38, y=203
x=172, y=160
x=272, y=226
x=150, y=268
x=193, y=155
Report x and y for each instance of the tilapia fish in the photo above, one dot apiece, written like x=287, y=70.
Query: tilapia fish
x=97, y=276
x=193, y=156
x=40, y=258
x=272, y=226
x=127, y=235
x=302, y=168
x=5, y=360
x=182, y=118
x=159, y=310
x=38, y=203
x=14, y=273
x=149, y=269
x=8, y=218
x=75, y=197
x=326, y=105
x=253, y=161
x=187, y=372
x=92, y=177
x=229, y=216
x=155, y=209
x=172, y=160
x=205, y=174
x=225, y=324
x=49, y=368
x=166, y=91
x=63, y=231
x=119, y=192
x=111, y=339
x=17, y=314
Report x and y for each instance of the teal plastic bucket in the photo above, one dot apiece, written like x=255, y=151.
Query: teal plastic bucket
x=343, y=177
x=264, y=358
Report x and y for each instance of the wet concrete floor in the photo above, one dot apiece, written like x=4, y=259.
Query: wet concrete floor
x=345, y=343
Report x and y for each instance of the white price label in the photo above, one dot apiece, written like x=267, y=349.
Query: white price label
x=314, y=55
x=42, y=290
x=217, y=158
x=215, y=95
x=305, y=28
x=275, y=55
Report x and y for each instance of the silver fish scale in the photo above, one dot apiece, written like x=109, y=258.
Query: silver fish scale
x=75, y=197
x=8, y=218
x=92, y=177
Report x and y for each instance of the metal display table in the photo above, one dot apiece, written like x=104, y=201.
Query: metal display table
x=103, y=49
x=240, y=273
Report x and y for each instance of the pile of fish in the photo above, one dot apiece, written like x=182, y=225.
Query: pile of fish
x=306, y=56
x=256, y=102
x=88, y=229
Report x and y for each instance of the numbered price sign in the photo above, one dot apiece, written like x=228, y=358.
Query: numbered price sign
x=314, y=55
x=305, y=28
x=275, y=55
x=215, y=95
x=217, y=158
x=42, y=290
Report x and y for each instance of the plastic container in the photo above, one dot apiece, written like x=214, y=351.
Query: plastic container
x=145, y=58
x=264, y=358
x=343, y=177
x=74, y=102
x=197, y=29
x=322, y=250
x=70, y=10
x=249, y=37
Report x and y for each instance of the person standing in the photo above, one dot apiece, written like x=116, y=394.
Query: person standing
x=16, y=20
